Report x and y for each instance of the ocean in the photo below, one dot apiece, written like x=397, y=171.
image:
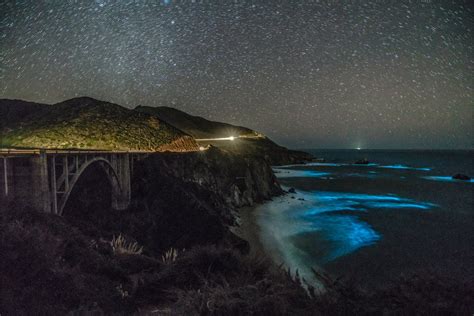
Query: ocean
x=401, y=214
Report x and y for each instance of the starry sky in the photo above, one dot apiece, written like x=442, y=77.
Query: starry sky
x=309, y=74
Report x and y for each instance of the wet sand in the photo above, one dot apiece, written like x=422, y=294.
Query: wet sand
x=265, y=243
x=250, y=231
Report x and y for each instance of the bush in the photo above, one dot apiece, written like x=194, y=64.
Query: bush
x=120, y=246
x=49, y=267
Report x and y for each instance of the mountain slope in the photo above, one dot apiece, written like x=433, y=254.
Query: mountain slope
x=195, y=126
x=247, y=142
x=15, y=111
x=86, y=123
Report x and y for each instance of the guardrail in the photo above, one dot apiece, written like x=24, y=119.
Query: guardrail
x=12, y=151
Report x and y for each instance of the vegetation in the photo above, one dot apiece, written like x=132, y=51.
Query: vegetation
x=49, y=266
x=170, y=256
x=58, y=265
x=195, y=126
x=250, y=143
x=120, y=246
x=85, y=123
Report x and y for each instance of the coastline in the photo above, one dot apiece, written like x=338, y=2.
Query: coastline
x=249, y=230
x=359, y=213
x=266, y=243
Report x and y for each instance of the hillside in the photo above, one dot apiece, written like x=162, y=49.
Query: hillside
x=86, y=123
x=247, y=142
x=195, y=126
x=15, y=111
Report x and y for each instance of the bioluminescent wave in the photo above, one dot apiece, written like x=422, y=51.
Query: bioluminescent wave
x=403, y=167
x=345, y=233
x=367, y=201
x=326, y=220
x=447, y=179
x=331, y=164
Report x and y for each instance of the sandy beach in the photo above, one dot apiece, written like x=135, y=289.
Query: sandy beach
x=267, y=241
x=250, y=230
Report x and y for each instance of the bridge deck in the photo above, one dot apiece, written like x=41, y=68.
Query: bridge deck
x=30, y=152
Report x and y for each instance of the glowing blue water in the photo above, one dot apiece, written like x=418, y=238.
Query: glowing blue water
x=403, y=167
x=364, y=165
x=395, y=194
x=319, y=215
x=447, y=179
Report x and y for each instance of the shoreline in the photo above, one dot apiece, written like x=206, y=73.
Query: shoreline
x=265, y=245
x=249, y=229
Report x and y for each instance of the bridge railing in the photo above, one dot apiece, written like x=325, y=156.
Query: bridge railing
x=14, y=152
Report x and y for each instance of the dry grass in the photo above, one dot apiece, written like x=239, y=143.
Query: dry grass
x=121, y=246
x=170, y=256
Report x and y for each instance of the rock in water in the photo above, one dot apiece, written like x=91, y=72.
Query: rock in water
x=460, y=176
x=292, y=190
x=362, y=162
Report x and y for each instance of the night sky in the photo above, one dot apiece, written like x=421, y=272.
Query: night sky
x=309, y=74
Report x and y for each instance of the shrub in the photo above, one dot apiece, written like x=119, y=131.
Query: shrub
x=121, y=246
x=170, y=256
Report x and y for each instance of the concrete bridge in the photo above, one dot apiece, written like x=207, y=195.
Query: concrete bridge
x=44, y=179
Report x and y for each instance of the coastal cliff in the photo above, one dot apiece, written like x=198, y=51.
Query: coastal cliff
x=175, y=254
x=181, y=202
x=172, y=251
x=239, y=181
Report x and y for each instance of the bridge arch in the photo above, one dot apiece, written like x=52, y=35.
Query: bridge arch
x=112, y=177
x=45, y=178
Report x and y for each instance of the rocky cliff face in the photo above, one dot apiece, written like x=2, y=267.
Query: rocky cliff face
x=238, y=180
x=187, y=199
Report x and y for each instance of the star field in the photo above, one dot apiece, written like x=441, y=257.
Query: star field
x=324, y=74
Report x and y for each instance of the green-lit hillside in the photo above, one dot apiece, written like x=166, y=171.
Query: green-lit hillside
x=195, y=126
x=86, y=123
x=247, y=142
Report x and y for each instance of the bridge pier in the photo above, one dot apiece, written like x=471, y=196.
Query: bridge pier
x=40, y=191
x=45, y=180
x=121, y=198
